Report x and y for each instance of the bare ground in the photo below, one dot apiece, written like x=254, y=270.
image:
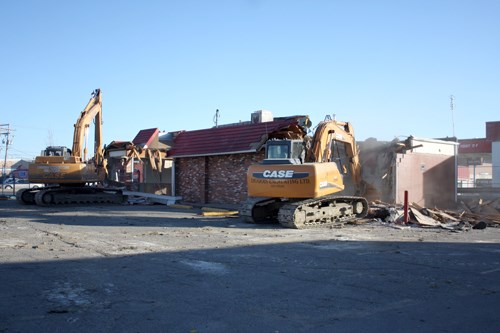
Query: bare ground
x=149, y=268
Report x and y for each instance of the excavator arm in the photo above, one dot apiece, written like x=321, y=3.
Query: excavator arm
x=92, y=112
x=329, y=133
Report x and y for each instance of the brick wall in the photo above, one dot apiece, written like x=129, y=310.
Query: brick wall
x=217, y=179
x=189, y=181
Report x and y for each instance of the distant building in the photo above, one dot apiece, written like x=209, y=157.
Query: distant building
x=15, y=168
x=479, y=159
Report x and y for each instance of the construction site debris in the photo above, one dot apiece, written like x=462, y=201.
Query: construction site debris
x=211, y=211
x=477, y=214
x=422, y=219
x=149, y=198
x=479, y=225
x=220, y=213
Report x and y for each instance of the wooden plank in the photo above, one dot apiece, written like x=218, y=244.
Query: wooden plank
x=467, y=209
x=226, y=213
x=442, y=216
x=488, y=210
x=161, y=199
x=424, y=220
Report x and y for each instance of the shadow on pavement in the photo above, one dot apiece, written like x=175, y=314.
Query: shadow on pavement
x=323, y=286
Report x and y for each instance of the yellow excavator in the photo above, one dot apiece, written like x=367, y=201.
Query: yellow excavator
x=70, y=177
x=298, y=181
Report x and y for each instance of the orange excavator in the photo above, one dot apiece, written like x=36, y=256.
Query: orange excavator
x=69, y=176
x=298, y=181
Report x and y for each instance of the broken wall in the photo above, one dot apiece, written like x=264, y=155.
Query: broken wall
x=428, y=178
x=377, y=159
x=157, y=181
x=424, y=168
x=138, y=174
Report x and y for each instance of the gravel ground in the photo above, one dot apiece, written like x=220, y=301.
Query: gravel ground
x=150, y=268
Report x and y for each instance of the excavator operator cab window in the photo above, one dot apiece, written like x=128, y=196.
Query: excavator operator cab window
x=56, y=151
x=284, y=152
x=277, y=151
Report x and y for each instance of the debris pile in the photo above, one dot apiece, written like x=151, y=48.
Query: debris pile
x=479, y=210
x=143, y=198
x=477, y=214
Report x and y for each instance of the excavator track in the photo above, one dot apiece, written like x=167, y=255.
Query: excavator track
x=49, y=196
x=26, y=196
x=322, y=212
x=260, y=210
x=303, y=214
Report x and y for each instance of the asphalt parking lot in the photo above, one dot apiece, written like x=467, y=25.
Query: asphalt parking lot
x=135, y=268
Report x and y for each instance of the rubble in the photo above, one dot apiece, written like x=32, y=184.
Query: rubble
x=149, y=198
x=477, y=214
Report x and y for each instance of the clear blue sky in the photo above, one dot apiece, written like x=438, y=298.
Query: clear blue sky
x=389, y=67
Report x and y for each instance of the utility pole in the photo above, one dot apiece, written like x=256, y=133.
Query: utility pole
x=452, y=108
x=5, y=131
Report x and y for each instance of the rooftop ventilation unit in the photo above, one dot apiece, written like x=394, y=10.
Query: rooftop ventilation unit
x=261, y=116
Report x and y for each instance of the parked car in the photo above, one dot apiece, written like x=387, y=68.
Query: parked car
x=18, y=183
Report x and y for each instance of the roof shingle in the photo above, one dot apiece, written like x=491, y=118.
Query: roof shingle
x=145, y=137
x=244, y=138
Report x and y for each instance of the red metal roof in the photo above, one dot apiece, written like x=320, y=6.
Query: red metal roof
x=229, y=139
x=145, y=137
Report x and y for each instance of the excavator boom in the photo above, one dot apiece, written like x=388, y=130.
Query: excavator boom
x=333, y=132
x=92, y=112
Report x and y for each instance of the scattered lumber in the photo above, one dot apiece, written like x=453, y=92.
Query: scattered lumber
x=476, y=214
x=227, y=213
x=143, y=197
x=423, y=219
x=210, y=211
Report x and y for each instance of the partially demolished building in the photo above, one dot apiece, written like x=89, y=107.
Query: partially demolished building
x=141, y=164
x=424, y=167
x=210, y=165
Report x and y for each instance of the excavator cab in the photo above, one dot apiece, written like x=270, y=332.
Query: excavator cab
x=56, y=151
x=284, y=152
